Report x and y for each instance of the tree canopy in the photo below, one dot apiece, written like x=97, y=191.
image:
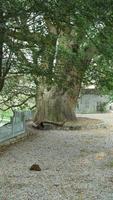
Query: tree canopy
x=54, y=42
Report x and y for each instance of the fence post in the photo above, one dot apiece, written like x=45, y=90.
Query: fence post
x=23, y=119
x=12, y=123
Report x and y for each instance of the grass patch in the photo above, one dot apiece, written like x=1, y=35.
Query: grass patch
x=5, y=116
x=110, y=164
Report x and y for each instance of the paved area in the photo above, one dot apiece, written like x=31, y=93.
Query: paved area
x=75, y=165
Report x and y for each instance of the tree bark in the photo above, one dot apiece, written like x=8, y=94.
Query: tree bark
x=59, y=103
x=56, y=105
x=2, y=33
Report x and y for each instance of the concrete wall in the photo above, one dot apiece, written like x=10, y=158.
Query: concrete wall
x=15, y=127
x=91, y=103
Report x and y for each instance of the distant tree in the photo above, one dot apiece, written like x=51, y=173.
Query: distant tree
x=12, y=21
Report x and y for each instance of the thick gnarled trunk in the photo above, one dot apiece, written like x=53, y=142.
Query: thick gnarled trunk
x=54, y=105
x=59, y=103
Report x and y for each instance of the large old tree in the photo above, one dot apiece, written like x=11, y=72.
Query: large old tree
x=75, y=36
x=59, y=46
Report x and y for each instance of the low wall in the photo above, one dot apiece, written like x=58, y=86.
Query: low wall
x=15, y=129
x=91, y=103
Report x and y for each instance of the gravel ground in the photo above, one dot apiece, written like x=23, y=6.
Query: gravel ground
x=107, y=118
x=75, y=165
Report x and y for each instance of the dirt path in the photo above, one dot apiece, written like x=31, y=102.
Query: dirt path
x=76, y=165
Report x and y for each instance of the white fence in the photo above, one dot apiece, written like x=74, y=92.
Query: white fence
x=16, y=126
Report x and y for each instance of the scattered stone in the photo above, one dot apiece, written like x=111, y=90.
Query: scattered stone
x=35, y=167
x=56, y=184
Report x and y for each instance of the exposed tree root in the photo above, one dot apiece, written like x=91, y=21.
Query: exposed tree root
x=42, y=124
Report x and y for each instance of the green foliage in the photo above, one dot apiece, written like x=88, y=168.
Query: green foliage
x=5, y=116
x=30, y=32
x=101, y=107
